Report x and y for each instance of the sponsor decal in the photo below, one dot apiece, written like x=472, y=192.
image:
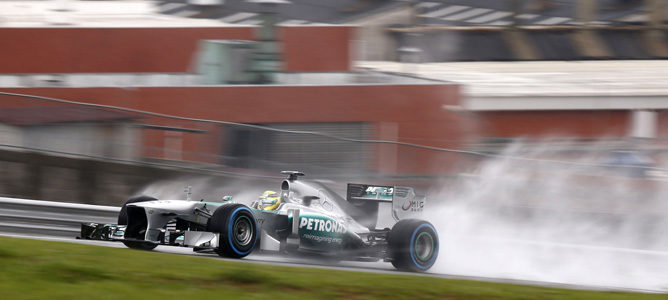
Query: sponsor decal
x=327, y=239
x=413, y=205
x=321, y=225
x=379, y=192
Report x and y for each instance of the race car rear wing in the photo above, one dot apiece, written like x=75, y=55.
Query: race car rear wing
x=405, y=203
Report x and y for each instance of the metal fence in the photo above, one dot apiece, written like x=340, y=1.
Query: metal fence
x=51, y=218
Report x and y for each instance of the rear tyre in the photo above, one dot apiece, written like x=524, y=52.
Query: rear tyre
x=413, y=245
x=123, y=220
x=238, y=230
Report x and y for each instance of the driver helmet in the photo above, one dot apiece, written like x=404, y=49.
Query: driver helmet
x=270, y=200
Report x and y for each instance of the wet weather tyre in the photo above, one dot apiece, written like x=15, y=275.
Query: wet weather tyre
x=238, y=230
x=123, y=220
x=413, y=245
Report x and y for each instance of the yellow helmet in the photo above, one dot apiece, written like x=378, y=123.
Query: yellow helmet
x=270, y=200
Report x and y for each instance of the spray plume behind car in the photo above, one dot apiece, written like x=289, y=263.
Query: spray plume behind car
x=547, y=223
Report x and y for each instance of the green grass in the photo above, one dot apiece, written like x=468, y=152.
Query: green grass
x=31, y=269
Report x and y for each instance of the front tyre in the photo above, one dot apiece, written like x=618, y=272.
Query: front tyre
x=238, y=230
x=140, y=245
x=413, y=245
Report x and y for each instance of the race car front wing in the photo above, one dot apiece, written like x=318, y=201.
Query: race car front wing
x=111, y=232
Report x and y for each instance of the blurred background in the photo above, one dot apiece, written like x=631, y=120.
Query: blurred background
x=321, y=82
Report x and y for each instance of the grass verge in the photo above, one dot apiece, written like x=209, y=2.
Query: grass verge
x=32, y=269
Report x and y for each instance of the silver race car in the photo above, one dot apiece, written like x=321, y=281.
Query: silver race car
x=304, y=217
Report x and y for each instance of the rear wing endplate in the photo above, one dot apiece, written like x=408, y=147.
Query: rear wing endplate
x=405, y=203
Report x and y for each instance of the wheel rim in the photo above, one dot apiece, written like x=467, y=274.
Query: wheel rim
x=243, y=231
x=424, y=246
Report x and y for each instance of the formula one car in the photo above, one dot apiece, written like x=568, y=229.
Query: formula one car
x=305, y=217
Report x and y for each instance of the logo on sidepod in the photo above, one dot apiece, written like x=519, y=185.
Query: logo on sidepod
x=321, y=225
